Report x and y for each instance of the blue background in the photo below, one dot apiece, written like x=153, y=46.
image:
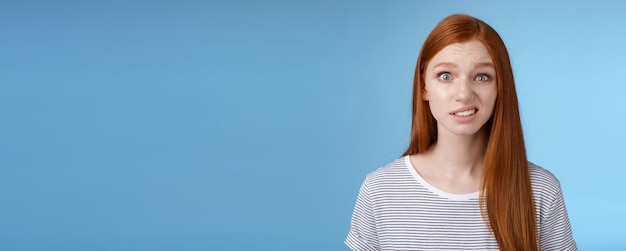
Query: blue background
x=249, y=125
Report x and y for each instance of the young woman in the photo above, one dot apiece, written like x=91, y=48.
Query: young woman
x=464, y=183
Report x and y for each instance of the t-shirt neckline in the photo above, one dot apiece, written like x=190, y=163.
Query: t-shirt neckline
x=433, y=189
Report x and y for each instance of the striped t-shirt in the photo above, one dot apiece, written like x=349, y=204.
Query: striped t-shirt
x=398, y=210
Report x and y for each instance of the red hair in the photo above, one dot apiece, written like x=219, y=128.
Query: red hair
x=506, y=196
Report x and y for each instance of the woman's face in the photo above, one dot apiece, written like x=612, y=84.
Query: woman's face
x=461, y=87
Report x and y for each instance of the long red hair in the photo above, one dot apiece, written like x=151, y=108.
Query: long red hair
x=506, y=195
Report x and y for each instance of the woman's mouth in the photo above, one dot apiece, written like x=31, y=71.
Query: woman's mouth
x=466, y=113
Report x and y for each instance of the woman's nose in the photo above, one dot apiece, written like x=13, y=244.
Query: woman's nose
x=463, y=90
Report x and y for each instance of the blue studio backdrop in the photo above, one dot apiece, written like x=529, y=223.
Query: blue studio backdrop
x=250, y=125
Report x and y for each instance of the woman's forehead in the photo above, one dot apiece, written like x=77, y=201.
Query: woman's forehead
x=470, y=53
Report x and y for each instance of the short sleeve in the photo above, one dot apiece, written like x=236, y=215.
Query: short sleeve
x=362, y=235
x=555, y=230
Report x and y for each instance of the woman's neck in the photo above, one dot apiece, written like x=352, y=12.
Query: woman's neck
x=459, y=155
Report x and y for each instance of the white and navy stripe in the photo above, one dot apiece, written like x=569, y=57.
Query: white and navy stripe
x=398, y=210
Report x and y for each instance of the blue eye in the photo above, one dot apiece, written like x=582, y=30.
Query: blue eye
x=482, y=77
x=445, y=76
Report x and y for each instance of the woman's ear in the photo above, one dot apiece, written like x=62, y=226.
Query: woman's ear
x=424, y=95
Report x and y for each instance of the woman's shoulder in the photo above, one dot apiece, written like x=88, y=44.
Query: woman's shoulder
x=546, y=187
x=394, y=170
x=541, y=177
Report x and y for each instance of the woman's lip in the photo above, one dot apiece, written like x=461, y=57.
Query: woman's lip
x=465, y=115
x=464, y=109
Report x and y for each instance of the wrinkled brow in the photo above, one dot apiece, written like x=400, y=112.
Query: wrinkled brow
x=484, y=64
x=453, y=65
x=445, y=64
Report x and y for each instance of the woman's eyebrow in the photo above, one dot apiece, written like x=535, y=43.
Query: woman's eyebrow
x=445, y=64
x=484, y=64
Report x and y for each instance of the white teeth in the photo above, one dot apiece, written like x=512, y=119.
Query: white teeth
x=465, y=113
